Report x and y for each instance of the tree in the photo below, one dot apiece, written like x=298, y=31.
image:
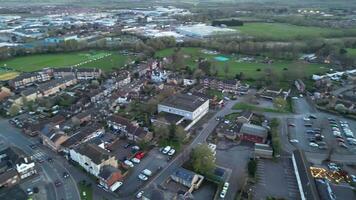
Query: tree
x=203, y=159
x=280, y=103
x=161, y=132
x=341, y=108
x=14, y=110
x=252, y=168
x=226, y=70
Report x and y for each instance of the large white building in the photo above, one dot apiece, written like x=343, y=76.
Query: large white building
x=190, y=107
x=203, y=31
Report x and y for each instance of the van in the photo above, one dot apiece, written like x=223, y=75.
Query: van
x=146, y=172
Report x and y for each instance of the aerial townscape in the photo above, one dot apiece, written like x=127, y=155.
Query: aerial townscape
x=178, y=99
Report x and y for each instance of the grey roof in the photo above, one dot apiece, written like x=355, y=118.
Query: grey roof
x=95, y=153
x=252, y=129
x=184, y=102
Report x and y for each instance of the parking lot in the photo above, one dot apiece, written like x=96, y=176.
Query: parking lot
x=152, y=161
x=275, y=179
x=320, y=136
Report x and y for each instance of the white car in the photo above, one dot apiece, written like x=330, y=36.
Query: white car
x=166, y=149
x=313, y=144
x=295, y=98
x=139, y=195
x=135, y=160
x=171, y=152
x=128, y=163
x=226, y=186
x=29, y=191
x=306, y=119
x=142, y=177
x=294, y=141
x=146, y=172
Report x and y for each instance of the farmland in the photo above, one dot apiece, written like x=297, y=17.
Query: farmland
x=104, y=60
x=351, y=52
x=286, y=32
x=255, y=69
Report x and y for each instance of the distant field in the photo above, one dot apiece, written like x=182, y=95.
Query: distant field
x=284, y=32
x=250, y=70
x=101, y=59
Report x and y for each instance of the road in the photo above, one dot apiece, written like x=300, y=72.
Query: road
x=50, y=172
x=184, y=156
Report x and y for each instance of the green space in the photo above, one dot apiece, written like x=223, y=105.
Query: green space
x=284, y=32
x=252, y=70
x=247, y=106
x=4, y=76
x=86, y=191
x=351, y=52
x=104, y=60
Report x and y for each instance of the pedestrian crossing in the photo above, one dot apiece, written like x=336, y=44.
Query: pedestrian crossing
x=38, y=155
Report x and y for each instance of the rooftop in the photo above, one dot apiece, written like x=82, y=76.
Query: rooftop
x=252, y=129
x=95, y=153
x=184, y=102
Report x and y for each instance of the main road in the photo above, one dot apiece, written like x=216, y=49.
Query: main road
x=50, y=172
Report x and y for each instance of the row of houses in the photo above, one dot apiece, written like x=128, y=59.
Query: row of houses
x=229, y=85
x=28, y=79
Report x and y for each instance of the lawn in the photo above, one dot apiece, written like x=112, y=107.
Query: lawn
x=250, y=107
x=351, y=52
x=253, y=70
x=285, y=32
x=101, y=59
x=86, y=193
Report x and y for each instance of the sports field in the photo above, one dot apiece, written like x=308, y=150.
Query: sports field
x=104, y=60
x=285, y=32
x=250, y=69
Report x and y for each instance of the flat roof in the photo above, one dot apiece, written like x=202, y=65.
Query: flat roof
x=184, y=102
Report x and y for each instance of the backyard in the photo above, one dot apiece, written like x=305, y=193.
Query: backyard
x=104, y=60
x=254, y=69
x=286, y=32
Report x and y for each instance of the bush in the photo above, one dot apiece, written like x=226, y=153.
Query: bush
x=252, y=168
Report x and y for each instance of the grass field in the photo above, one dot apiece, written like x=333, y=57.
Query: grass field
x=351, y=52
x=284, y=32
x=86, y=193
x=251, y=70
x=250, y=107
x=101, y=59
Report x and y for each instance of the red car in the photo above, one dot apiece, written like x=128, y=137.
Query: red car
x=140, y=155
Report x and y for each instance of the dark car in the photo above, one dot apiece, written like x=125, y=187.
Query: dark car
x=65, y=175
x=50, y=159
x=57, y=183
x=127, y=146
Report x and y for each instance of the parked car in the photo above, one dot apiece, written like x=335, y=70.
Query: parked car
x=29, y=191
x=171, y=152
x=312, y=117
x=142, y=177
x=139, y=155
x=166, y=149
x=292, y=125
x=341, y=144
x=146, y=172
x=139, y=195
x=135, y=160
x=308, y=125
x=128, y=163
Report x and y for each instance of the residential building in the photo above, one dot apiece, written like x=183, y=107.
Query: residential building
x=52, y=137
x=190, y=107
x=83, y=135
x=253, y=133
x=272, y=94
x=109, y=175
x=28, y=79
x=231, y=86
x=88, y=73
x=132, y=131
x=56, y=85
x=92, y=158
x=228, y=131
x=9, y=178
x=83, y=117
x=14, y=158
x=187, y=178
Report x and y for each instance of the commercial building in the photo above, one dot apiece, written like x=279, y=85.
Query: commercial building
x=263, y=151
x=190, y=107
x=253, y=133
x=203, y=31
x=187, y=178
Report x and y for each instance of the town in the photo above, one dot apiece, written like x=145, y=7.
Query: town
x=175, y=100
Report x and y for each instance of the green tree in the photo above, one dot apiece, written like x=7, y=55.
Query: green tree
x=280, y=103
x=14, y=110
x=252, y=168
x=203, y=160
